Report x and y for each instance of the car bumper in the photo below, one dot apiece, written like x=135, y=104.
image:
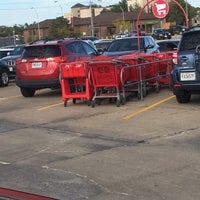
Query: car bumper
x=179, y=87
x=38, y=84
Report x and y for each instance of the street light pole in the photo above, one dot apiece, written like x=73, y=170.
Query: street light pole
x=123, y=18
x=60, y=8
x=91, y=18
x=38, y=24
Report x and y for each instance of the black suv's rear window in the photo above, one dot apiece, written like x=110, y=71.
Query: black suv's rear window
x=42, y=51
x=190, y=41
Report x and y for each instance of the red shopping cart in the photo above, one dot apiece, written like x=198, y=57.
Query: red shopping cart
x=74, y=81
x=105, y=77
x=134, y=74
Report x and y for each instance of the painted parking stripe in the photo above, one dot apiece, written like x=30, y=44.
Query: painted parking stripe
x=4, y=163
x=147, y=108
x=10, y=97
x=50, y=106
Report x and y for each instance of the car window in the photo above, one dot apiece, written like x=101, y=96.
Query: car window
x=42, y=51
x=89, y=50
x=162, y=46
x=17, y=51
x=171, y=46
x=148, y=42
x=78, y=47
x=125, y=45
x=190, y=41
x=70, y=47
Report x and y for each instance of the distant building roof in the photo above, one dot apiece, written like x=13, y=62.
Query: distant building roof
x=108, y=18
x=78, y=5
x=43, y=24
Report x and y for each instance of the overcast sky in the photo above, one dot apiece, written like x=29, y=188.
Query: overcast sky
x=26, y=11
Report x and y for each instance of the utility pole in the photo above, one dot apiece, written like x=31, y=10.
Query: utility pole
x=91, y=18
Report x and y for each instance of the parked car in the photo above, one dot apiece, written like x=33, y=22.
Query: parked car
x=8, y=67
x=178, y=29
x=186, y=66
x=92, y=38
x=121, y=35
x=130, y=45
x=11, y=58
x=161, y=34
x=4, y=74
x=38, y=66
x=5, y=51
x=102, y=45
x=134, y=32
x=10, y=194
x=168, y=45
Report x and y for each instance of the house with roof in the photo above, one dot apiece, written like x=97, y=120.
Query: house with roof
x=108, y=24
x=37, y=31
x=104, y=25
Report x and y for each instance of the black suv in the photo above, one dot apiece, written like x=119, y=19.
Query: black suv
x=186, y=66
x=161, y=34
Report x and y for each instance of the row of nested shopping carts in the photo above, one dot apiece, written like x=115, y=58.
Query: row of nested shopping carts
x=103, y=77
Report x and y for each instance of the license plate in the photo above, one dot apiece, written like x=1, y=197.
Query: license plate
x=36, y=65
x=188, y=76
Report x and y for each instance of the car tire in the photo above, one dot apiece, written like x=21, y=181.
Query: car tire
x=27, y=92
x=4, y=78
x=183, y=98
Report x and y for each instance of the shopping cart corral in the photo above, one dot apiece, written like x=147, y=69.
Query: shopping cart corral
x=114, y=79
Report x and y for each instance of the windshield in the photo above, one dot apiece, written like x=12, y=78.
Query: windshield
x=129, y=44
x=17, y=51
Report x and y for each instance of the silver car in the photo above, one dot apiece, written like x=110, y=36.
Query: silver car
x=130, y=45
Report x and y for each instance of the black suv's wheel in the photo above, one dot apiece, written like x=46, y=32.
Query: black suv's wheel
x=4, y=78
x=27, y=92
x=184, y=98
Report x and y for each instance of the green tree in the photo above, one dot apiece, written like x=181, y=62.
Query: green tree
x=59, y=29
x=118, y=7
x=176, y=14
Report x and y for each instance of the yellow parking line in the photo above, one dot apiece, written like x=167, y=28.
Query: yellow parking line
x=10, y=97
x=4, y=163
x=148, y=108
x=50, y=106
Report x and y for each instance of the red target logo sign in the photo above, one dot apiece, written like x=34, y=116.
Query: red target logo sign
x=160, y=8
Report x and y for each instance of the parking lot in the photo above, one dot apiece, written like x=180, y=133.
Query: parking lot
x=145, y=149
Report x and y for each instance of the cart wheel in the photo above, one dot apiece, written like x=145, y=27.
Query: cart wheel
x=74, y=101
x=89, y=103
x=118, y=103
x=93, y=103
x=158, y=88
x=65, y=103
x=123, y=100
x=144, y=90
x=99, y=102
x=110, y=100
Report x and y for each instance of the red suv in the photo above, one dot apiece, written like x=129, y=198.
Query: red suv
x=38, y=66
